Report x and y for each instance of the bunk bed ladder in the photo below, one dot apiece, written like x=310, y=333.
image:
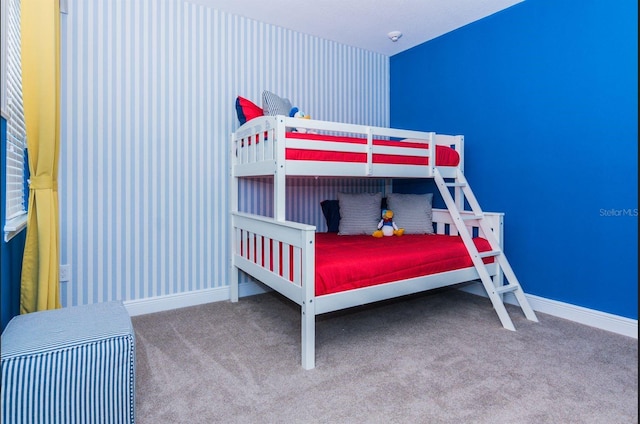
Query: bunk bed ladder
x=495, y=292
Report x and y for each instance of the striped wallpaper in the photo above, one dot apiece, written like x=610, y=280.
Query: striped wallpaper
x=147, y=106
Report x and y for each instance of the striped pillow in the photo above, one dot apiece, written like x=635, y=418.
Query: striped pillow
x=413, y=212
x=273, y=104
x=359, y=213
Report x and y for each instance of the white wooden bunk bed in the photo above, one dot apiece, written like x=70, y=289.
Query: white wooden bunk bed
x=282, y=254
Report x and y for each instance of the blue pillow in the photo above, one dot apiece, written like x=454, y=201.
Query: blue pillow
x=331, y=212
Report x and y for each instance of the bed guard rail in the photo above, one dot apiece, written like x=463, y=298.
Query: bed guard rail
x=253, y=154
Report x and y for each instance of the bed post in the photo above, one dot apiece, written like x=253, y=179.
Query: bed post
x=459, y=194
x=233, y=207
x=308, y=307
x=280, y=175
x=388, y=186
x=308, y=335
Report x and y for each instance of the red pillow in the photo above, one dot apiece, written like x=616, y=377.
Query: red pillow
x=247, y=110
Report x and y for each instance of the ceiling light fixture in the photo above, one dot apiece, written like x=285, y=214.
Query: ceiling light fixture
x=394, y=35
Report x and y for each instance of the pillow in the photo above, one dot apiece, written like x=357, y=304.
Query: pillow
x=359, y=213
x=331, y=212
x=247, y=110
x=413, y=212
x=273, y=104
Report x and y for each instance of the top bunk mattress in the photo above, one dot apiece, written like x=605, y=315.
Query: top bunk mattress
x=415, y=151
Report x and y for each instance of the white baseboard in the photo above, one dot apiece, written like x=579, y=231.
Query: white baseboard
x=616, y=324
x=182, y=300
x=602, y=320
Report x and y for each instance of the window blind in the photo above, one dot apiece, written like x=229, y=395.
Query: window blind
x=13, y=110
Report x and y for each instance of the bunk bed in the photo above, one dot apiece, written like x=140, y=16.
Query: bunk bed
x=311, y=268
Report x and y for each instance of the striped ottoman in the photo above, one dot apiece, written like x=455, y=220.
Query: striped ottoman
x=69, y=365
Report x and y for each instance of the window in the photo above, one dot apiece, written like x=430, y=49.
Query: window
x=13, y=111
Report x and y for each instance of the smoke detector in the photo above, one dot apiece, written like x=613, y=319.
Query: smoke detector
x=394, y=35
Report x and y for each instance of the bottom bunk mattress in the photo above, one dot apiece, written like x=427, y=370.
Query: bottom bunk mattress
x=355, y=261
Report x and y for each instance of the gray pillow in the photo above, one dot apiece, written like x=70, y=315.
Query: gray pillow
x=413, y=212
x=273, y=104
x=359, y=213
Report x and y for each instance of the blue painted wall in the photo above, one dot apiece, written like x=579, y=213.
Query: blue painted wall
x=545, y=93
x=11, y=252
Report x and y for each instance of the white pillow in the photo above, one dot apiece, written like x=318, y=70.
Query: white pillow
x=413, y=212
x=359, y=213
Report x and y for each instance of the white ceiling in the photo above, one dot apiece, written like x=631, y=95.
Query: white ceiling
x=365, y=23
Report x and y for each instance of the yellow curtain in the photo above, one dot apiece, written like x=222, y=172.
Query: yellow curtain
x=40, y=32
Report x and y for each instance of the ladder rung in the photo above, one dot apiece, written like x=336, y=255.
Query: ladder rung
x=489, y=253
x=455, y=184
x=507, y=288
x=471, y=217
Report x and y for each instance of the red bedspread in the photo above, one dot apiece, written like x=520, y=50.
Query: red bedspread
x=349, y=262
x=445, y=156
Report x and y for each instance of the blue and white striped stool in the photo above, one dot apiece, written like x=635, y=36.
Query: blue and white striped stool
x=69, y=365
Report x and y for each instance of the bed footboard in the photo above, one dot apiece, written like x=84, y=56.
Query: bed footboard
x=280, y=254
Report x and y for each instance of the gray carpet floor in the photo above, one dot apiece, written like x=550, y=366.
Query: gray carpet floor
x=441, y=357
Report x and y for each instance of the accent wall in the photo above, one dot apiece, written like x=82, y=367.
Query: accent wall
x=545, y=93
x=148, y=107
